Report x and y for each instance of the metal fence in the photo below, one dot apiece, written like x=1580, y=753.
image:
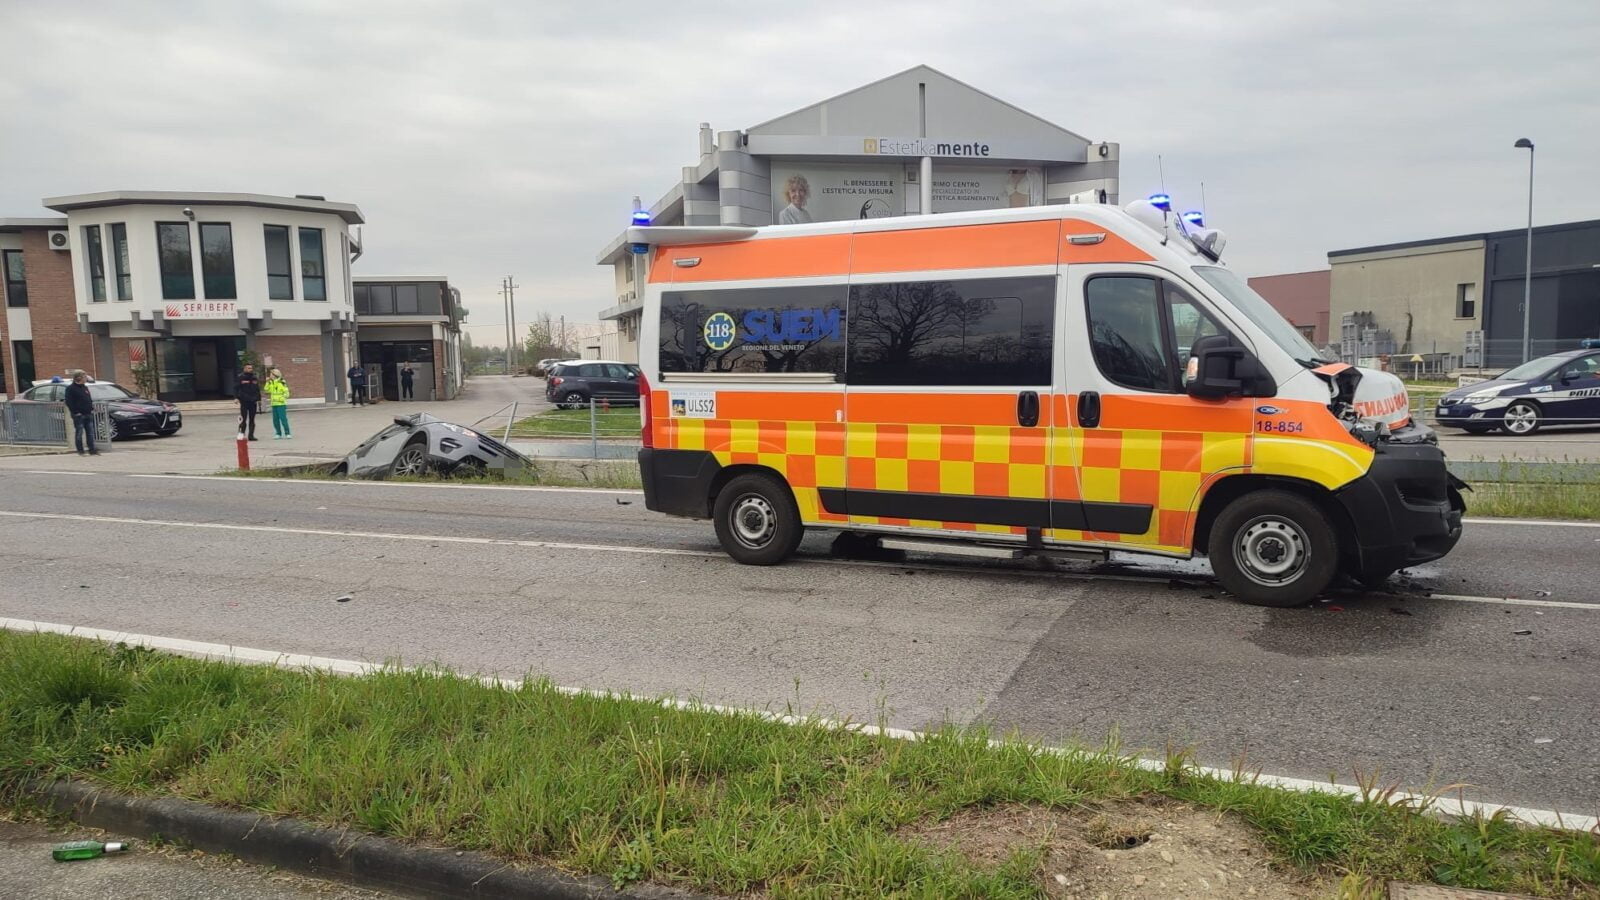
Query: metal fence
x=48, y=424
x=600, y=430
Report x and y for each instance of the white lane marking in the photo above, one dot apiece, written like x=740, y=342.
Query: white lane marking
x=1542, y=523
x=227, y=652
x=1515, y=601
x=703, y=554
x=54, y=472
x=395, y=484
x=382, y=535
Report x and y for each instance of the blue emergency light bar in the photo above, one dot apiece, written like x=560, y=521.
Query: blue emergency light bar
x=1161, y=202
x=641, y=219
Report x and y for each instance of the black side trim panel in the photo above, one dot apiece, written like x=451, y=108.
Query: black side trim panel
x=678, y=482
x=1118, y=518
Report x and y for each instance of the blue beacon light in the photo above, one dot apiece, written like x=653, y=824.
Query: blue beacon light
x=641, y=219
x=1195, y=217
x=1161, y=202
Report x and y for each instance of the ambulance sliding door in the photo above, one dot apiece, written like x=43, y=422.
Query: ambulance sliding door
x=948, y=399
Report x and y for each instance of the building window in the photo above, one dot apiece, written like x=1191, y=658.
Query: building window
x=23, y=351
x=216, y=260
x=96, y=253
x=405, y=299
x=177, y=260
x=360, y=298
x=119, y=259
x=382, y=300
x=280, y=268
x=982, y=331
x=313, y=272
x=16, y=279
x=1466, y=301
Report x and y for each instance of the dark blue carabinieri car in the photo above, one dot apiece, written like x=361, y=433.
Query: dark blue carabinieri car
x=1560, y=389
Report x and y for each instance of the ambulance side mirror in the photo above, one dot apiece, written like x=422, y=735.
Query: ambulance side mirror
x=1219, y=367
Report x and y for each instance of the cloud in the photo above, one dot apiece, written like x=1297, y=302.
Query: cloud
x=487, y=139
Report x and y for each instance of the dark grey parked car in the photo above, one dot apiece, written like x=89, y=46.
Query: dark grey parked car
x=571, y=385
x=420, y=444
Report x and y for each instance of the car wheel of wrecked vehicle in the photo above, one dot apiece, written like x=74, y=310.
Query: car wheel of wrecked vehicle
x=757, y=520
x=1273, y=548
x=413, y=460
x=1522, y=418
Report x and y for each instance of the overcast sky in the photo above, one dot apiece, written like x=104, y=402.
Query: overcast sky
x=489, y=139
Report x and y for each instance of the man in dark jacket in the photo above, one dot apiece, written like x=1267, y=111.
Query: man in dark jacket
x=358, y=385
x=81, y=405
x=407, y=380
x=247, y=389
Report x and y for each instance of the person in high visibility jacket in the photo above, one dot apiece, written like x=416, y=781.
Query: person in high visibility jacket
x=277, y=391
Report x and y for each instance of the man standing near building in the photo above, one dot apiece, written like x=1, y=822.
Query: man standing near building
x=81, y=406
x=247, y=389
x=358, y=385
x=408, y=377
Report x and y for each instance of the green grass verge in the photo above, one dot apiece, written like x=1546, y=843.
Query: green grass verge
x=634, y=790
x=613, y=423
x=1510, y=500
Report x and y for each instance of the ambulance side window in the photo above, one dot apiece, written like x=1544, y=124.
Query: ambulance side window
x=1126, y=334
x=973, y=331
x=1190, y=322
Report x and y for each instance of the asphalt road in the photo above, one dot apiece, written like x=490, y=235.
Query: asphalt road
x=1427, y=681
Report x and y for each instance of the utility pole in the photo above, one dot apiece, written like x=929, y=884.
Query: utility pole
x=511, y=304
x=505, y=292
x=563, y=334
x=1527, y=266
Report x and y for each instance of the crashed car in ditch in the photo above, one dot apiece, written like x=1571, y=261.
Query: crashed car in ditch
x=421, y=444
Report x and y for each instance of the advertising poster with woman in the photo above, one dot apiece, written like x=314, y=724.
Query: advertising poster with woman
x=828, y=193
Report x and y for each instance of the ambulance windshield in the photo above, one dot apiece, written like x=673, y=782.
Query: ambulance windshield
x=1259, y=311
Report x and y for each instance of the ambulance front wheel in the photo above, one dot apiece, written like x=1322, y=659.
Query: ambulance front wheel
x=1274, y=548
x=757, y=520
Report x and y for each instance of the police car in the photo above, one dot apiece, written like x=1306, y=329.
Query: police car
x=1560, y=389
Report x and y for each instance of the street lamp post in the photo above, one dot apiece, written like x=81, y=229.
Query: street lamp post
x=1527, y=274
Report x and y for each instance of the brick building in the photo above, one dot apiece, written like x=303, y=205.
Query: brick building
x=187, y=284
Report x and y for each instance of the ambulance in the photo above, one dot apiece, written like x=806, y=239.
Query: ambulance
x=1064, y=381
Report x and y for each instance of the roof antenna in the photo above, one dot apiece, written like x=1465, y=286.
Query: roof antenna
x=1163, y=170
x=1203, y=213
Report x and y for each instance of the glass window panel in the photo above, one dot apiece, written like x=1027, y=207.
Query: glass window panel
x=313, y=273
x=95, y=251
x=177, y=261
x=1125, y=332
x=787, y=329
x=985, y=331
x=405, y=299
x=119, y=259
x=16, y=279
x=216, y=260
x=280, y=268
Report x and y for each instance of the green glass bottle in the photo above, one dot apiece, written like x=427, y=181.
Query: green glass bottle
x=85, y=850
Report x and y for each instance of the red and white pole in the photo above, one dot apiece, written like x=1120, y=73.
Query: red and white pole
x=243, y=446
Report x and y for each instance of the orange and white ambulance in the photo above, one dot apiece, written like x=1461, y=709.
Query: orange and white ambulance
x=1059, y=380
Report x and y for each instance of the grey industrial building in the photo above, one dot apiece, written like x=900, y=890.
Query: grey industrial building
x=1458, y=301
x=918, y=140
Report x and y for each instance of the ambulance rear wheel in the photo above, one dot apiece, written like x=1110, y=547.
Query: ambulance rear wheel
x=757, y=520
x=1274, y=548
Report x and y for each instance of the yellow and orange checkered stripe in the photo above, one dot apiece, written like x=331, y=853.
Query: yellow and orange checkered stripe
x=1167, y=464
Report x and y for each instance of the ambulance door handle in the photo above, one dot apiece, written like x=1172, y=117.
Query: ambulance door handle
x=1089, y=409
x=1028, y=409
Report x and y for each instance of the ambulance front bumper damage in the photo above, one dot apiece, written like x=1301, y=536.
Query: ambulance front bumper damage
x=1406, y=510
